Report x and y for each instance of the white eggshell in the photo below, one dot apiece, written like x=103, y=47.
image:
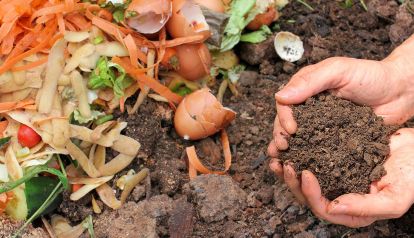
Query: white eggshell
x=288, y=46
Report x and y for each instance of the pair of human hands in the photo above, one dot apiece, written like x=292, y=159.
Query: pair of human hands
x=388, y=87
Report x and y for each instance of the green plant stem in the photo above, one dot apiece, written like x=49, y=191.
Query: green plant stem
x=56, y=191
x=303, y=2
x=30, y=174
x=363, y=5
x=62, y=168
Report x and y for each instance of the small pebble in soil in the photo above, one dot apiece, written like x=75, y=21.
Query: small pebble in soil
x=216, y=197
x=342, y=143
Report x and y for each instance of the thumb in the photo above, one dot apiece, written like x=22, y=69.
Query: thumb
x=314, y=79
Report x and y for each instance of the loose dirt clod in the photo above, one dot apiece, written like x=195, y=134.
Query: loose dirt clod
x=342, y=143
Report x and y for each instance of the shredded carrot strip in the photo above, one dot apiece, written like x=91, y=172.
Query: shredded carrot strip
x=140, y=76
x=40, y=121
x=132, y=49
x=61, y=23
x=122, y=104
x=105, y=14
x=109, y=28
x=79, y=21
x=8, y=106
x=31, y=65
x=11, y=61
x=195, y=165
x=3, y=126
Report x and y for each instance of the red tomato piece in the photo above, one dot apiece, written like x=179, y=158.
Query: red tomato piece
x=27, y=136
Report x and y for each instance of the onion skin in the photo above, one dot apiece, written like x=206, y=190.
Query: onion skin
x=263, y=19
x=200, y=115
x=194, y=61
x=214, y=5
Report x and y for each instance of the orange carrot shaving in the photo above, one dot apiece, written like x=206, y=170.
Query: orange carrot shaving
x=10, y=62
x=109, y=28
x=140, y=76
x=168, y=56
x=3, y=127
x=40, y=121
x=9, y=106
x=61, y=23
x=76, y=187
x=31, y=65
x=122, y=104
x=195, y=165
x=79, y=21
x=132, y=49
x=105, y=14
x=4, y=200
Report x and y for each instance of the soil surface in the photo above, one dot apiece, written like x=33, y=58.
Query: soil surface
x=249, y=201
x=342, y=143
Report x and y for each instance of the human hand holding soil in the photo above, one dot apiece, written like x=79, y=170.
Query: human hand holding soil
x=390, y=197
x=386, y=86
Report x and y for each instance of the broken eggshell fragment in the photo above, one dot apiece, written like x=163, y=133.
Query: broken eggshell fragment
x=150, y=17
x=187, y=20
x=288, y=46
x=200, y=115
x=194, y=61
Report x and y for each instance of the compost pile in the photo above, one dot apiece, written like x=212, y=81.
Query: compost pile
x=344, y=144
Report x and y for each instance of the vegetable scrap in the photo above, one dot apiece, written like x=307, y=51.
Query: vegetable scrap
x=66, y=66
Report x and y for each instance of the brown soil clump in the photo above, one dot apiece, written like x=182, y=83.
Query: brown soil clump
x=342, y=143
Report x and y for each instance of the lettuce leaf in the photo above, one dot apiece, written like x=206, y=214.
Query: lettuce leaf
x=83, y=120
x=257, y=36
x=109, y=74
x=242, y=12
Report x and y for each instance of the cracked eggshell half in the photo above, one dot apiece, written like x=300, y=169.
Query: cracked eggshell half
x=200, y=115
x=151, y=16
x=288, y=46
x=187, y=20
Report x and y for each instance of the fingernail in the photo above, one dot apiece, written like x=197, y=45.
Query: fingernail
x=286, y=93
x=273, y=165
x=338, y=209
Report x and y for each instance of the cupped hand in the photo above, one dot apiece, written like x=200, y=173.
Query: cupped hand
x=386, y=86
x=389, y=197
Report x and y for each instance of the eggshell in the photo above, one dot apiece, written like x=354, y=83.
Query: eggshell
x=187, y=20
x=200, y=115
x=214, y=5
x=288, y=46
x=151, y=15
x=194, y=61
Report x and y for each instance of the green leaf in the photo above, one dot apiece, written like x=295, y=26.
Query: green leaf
x=83, y=120
x=257, y=36
x=103, y=119
x=237, y=22
x=109, y=74
x=346, y=4
x=234, y=73
x=98, y=40
x=118, y=15
x=37, y=190
x=88, y=223
x=4, y=141
x=32, y=172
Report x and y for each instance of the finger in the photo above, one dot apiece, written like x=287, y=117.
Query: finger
x=382, y=204
x=325, y=75
x=293, y=182
x=276, y=166
x=272, y=149
x=280, y=135
x=319, y=204
x=286, y=119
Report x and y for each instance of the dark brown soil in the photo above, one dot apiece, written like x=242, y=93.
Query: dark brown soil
x=342, y=143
